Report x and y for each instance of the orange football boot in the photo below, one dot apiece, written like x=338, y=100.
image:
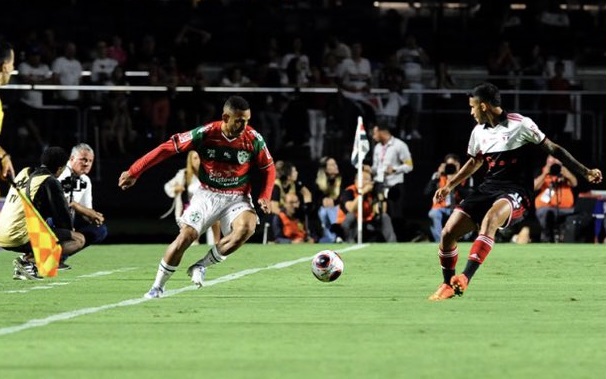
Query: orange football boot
x=459, y=284
x=444, y=292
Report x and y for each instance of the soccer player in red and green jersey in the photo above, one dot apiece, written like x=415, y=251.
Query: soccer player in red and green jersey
x=228, y=150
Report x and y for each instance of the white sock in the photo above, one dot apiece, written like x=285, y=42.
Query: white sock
x=165, y=271
x=212, y=257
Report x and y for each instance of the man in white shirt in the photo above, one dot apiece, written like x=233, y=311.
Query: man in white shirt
x=67, y=70
x=391, y=160
x=78, y=190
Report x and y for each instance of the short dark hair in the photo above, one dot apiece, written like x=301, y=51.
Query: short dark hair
x=5, y=51
x=383, y=126
x=453, y=156
x=53, y=157
x=237, y=103
x=487, y=93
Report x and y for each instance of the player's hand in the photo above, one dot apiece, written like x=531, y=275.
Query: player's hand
x=441, y=194
x=594, y=175
x=126, y=180
x=265, y=205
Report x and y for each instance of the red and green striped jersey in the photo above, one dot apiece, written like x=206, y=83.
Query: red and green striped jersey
x=225, y=163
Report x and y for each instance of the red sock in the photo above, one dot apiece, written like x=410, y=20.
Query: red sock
x=448, y=259
x=480, y=248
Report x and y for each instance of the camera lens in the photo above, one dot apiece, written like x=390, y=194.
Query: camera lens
x=450, y=169
x=555, y=169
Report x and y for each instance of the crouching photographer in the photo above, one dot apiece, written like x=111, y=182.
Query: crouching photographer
x=555, y=197
x=439, y=212
x=78, y=191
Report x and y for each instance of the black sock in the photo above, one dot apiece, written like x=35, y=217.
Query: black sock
x=447, y=273
x=470, y=269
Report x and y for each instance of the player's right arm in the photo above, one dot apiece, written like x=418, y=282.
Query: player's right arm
x=472, y=165
x=129, y=178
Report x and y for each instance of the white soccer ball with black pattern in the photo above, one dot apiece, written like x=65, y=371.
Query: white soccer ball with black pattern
x=327, y=266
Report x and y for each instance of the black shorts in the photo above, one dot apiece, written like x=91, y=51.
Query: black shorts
x=483, y=197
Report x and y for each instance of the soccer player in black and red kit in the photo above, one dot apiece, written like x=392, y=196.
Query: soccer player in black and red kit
x=228, y=149
x=504, y=142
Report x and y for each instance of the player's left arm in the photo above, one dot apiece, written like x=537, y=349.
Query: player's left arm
x=268, y=170
x=593, y=175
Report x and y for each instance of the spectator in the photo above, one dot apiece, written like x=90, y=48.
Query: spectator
x=117, y=126
x=555, y=196
x=296, y=64
x=355, y=82
x=287, y=226
x=395, y=111
x=33, y=71
x=117, y=52
x=102, y=66
x=317, y=104
x=375, y=220
x=328, y=193
x=502, y=64
x=40, y=184
x=337, y=48
x=440, y=211
x=412, y=58
x=67, y=70
x=533, y=66
x=560, y=105
x=287, y=181
x=234, y=77
x=78, y=190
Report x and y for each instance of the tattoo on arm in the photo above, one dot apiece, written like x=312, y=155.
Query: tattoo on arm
x=566, y=158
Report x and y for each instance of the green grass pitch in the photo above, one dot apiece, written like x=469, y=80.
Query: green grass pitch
x=532, y=311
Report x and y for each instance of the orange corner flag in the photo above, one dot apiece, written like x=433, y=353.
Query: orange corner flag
x=43, y=240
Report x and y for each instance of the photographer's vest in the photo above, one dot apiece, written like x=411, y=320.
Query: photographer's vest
x=13, y=229
x=367, y=212
x=453, y=197
x=292, y=228
x=554, y=194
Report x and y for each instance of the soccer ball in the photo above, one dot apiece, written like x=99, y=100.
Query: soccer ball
x=327, y=266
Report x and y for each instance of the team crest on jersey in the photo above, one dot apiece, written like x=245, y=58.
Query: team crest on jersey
x=243, y=156
x=184, y=137
x=195, y=217
x=516, y=200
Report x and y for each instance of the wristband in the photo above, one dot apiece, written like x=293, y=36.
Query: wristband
x=4, y=156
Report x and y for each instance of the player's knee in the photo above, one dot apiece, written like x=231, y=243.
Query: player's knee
x=447, y=232
x=243, y=230
x=187, y=235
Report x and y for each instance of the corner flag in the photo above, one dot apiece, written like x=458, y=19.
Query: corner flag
x=47, y=251
x=361, y=144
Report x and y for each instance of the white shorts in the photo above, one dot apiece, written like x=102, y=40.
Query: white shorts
x=206, y=207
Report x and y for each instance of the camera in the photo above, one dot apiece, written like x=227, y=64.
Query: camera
x=71, y=183
x=555, y=169
x=450, y=169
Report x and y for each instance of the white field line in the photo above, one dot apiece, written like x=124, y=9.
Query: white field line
x=85, y=311
x=46, y=286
